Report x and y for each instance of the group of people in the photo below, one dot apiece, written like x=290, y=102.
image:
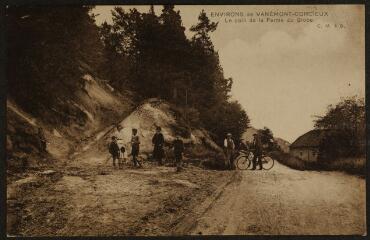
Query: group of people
x=229, y=147
x=118, y=153
x=158, y=142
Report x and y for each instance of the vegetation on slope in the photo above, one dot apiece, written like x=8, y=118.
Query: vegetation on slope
x=53, y=53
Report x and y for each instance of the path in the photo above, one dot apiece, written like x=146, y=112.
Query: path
x=283, y=201
x=91, y=198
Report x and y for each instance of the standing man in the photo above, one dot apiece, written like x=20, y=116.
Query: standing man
x=229, y=150
x=135, y=147
x=257, y=151
x=178, y=148
x=114, y=150
x=158, y=141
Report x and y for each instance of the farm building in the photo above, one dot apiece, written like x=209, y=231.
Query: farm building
x=306, y=147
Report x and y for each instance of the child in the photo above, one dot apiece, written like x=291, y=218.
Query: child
x=121, y=157
x=114, y=150
x=135, y=147
x=178, y=148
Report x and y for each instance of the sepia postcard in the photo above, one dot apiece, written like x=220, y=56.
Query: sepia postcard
x=179, y=120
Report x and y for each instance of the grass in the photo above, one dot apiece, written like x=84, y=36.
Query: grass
x=209, y=158
x=290, y=161
x=354, y=165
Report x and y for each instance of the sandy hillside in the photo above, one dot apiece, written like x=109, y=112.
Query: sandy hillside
x=88, y=109
x=146, y=117
x=155, y=113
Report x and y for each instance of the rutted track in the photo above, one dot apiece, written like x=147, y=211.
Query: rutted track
x=283, y=201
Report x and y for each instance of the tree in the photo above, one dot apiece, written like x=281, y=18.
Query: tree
x=202, y=30
x=204, y=64
x=46, y=46
x=155, y=69
x=228, y=117
x=175, y=55
x=346, y=120
x=185, y=72
x=267, y=137
x=334, y=145
x=117, y=65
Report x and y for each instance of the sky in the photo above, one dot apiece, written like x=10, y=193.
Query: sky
x=284, y=73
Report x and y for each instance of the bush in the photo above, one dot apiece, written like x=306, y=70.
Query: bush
x=349, y=165
x=290, y=161
x=217, y=162
x=192, y=116
x=208, y=158
x=336, y=144
x=347, y=129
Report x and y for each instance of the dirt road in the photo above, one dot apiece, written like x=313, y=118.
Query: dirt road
x=98, y=200
x=92, y=199
x=284, y=201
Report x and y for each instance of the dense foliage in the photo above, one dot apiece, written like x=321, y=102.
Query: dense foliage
x=152, y=55
x=346, y=124
x=45, y=49
x=144, y=52
x=267, y=138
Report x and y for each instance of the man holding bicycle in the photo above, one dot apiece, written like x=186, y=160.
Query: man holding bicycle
x=257, y=151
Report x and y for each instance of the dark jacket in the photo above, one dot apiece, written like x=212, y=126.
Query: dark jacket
x=114, y=149
x=178, y=146
x=135, y=141
x=257, y=145
x=135, y=144
x=158, y=139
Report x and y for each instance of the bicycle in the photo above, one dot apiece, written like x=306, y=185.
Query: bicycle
x=245, y=158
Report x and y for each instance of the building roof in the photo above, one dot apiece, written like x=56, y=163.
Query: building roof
x=310, y=139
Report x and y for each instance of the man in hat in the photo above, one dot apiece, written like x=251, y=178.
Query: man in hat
x=257, y=151
x=158, y=141
x=229, y=150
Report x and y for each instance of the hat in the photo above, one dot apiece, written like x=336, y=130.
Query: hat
x=159, y=128
x=114, y=137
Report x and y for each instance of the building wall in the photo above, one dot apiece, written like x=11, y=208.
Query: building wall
x=306, y=154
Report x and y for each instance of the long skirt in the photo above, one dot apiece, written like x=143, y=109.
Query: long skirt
x=158, y=152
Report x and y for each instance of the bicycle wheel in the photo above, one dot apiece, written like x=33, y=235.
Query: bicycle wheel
x=267, y=162
x=243, y=162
